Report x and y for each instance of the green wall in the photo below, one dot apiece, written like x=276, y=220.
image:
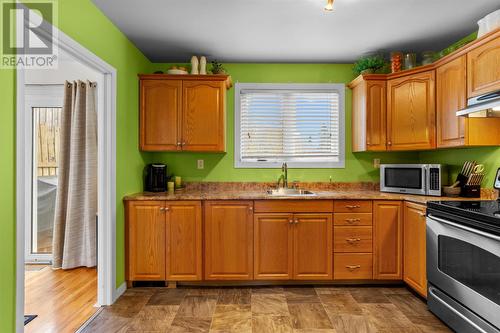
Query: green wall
x=82, y=21
x=489, y=156
x=220, y=167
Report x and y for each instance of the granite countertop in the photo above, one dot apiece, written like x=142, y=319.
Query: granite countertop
x=245, y=192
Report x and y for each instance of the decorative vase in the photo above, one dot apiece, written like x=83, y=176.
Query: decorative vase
x=194, y=65
x=203, y=65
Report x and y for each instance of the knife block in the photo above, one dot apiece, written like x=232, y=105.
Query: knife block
x=471, y=191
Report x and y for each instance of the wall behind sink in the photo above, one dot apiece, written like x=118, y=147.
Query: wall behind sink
x=220, y=167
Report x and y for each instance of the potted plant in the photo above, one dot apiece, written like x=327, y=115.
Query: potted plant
x=217, y=68
x=369, y=64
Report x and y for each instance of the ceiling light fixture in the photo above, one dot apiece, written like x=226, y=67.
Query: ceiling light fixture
x=329, y=6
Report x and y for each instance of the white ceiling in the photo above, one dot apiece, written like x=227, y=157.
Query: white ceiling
x=291, y=30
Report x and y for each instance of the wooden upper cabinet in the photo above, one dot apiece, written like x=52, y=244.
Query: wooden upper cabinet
x=182, y=112
x=313, y=247
x=228, y=240
x=145, y=240
x=451, y=97
x=453, y=131
x=160, y=109
x=483, y=68
x=203, y=119
x=414, y=252
x=387, y=240
x=411, y=112
x=183, y=240
x=273, y=246
x=368, y=115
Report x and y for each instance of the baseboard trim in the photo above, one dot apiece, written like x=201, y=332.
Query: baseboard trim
x=118, y=292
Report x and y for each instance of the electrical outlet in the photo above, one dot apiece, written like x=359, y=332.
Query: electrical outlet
x=200, y=164
x=376, y=163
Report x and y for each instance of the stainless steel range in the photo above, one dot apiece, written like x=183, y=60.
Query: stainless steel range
x=463, y=264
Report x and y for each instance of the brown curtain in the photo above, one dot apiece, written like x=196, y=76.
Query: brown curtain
x=74, y=241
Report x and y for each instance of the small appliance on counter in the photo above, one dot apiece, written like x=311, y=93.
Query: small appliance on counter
x=423, y=179
x=155, y=177
x=463, y=262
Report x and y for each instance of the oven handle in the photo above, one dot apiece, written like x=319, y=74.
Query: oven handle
x=463, y=227
x=455, y=311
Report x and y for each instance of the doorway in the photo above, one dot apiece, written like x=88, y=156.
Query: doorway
x=33, y=224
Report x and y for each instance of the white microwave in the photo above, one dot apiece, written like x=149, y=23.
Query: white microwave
x=423, y=179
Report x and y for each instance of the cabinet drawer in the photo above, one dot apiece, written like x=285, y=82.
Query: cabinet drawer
x=353, y=219
x=352, y=239
x=352, y=266
x=352, y=206
x=293, y=206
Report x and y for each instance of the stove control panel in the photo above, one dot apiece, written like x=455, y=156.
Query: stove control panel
x=497, y=180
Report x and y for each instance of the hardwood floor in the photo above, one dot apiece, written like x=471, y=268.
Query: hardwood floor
x=329, y=309
x=62, y=299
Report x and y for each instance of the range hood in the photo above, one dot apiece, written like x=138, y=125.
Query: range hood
x=487, y=105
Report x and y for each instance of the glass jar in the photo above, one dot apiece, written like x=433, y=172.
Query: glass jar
x=427, y=57
x=410, y=60
x=396, y=61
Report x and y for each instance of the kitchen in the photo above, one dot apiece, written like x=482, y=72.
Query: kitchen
x=348, y=186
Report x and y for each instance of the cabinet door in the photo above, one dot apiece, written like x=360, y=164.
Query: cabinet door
x=313, y=247
x=387, y=240
x=369, y=115
x=160, y=108
x=451, y=97
x=376, y=123
x=411, y=112
x=229, y=240
x=414, y=252
x=203, y=116
x=183, y=240
x=145, y=240
x=483, y=69
x=273, y=246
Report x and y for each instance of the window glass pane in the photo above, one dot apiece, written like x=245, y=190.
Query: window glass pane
x=46, y=130
x=289, y=125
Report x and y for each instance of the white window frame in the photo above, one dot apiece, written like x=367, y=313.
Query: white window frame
x=334, y=87
x=37, y=96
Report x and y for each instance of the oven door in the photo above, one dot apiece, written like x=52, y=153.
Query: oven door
x=403, y=178
x=465, y=264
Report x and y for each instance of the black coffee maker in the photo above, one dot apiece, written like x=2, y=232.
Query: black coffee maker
x=155, y=177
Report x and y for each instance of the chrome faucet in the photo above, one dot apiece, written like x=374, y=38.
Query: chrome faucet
x=284, y=176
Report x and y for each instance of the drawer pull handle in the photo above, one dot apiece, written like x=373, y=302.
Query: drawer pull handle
x=352, y=206
x=353, y=220
x=352, y=267
x=290, y=221
x=296, y=221
x=353, y=240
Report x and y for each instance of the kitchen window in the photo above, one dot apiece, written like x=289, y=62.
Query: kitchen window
x=301, y=124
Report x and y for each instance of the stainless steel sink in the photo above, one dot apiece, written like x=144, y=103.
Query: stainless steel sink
x=290, y=192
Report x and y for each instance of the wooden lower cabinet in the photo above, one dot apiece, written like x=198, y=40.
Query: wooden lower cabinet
x=293, y=246
x=228, y=239
x=387, y=240
x=273, y=246
x=353, y=266
x=312, y=247
x=145, y=239
x=183, y=240
x=414, y=272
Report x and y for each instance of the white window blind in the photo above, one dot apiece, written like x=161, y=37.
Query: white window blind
x=292, y=124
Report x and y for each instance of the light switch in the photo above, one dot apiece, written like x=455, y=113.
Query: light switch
x=200, y=164
x=376, y=163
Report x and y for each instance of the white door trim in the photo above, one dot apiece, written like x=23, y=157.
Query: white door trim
x=106, y=272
